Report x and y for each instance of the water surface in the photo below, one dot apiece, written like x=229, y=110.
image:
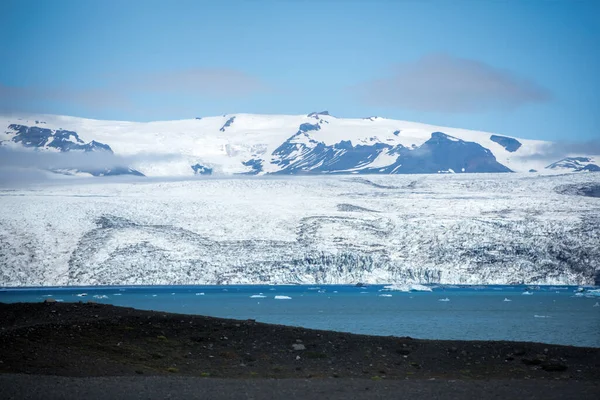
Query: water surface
x=549, y=314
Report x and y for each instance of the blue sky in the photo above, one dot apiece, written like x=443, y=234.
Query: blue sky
x=522, y=68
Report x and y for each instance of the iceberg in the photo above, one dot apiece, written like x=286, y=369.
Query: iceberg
x=420, y=288
x=407, y=288
x=282, y=298
x=397, y=288
x=258, y=296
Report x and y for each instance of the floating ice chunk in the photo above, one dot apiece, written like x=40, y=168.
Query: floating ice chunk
x=397, y=288
x=364, y=292
x=558, y=288
x=541, y=316
x=282, y=298
x=385, y=295
x=272, y=288
x=407, y=288
x=593, y=292
x=100, y=296
x=527, y=293
x=506, y=299
x=81, y=294
x=199, y=294
x=335, y=291
x=154, y=295
x=257, y=296
x=446, y=299
x=420, y=288
x=596, y=305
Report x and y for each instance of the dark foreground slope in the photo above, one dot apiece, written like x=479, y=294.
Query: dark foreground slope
x=75, y=339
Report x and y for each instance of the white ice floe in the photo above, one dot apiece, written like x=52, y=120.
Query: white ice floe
x=407, y=288
x=81, y=294
x=446, y=299
x=541, y=316
x=282, y=297
x=507, y=299
x=257, y=296
x=596, y=305
x=397, y=288
x=527, y=293
x=100, y=296
x=420, y=288
x=385, y=295
x=199, y=294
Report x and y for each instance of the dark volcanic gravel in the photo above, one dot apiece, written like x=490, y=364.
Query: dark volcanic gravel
x=76, y=339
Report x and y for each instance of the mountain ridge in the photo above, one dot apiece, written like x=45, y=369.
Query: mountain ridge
x=257, y=144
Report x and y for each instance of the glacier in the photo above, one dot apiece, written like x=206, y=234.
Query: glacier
x=519, y=228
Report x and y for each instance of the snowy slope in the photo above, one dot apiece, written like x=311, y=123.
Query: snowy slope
x=290, y=144
x=453, y=229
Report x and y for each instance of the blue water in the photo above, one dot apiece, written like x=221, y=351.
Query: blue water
x=550, y=314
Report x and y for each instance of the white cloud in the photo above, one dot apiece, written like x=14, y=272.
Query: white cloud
x=443, y=83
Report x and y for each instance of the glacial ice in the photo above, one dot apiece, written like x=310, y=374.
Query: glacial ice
x=427, y=229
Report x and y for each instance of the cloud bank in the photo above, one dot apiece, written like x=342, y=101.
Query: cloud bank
x=16, y=158
x=443, y=83
x=120, y=91
x=556, y=151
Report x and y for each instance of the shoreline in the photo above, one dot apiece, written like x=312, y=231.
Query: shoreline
x=94, y=340
x=358, y=285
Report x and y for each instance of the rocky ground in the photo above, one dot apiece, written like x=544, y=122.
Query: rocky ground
x=84, y=340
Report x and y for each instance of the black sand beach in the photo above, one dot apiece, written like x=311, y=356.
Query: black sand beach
x=92, y=341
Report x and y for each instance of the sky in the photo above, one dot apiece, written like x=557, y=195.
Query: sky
x=521, y=68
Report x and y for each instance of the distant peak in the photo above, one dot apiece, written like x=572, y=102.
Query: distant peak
x=317, y=114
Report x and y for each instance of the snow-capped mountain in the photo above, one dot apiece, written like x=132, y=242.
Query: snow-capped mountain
x=317, y=143
x=576, y=164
